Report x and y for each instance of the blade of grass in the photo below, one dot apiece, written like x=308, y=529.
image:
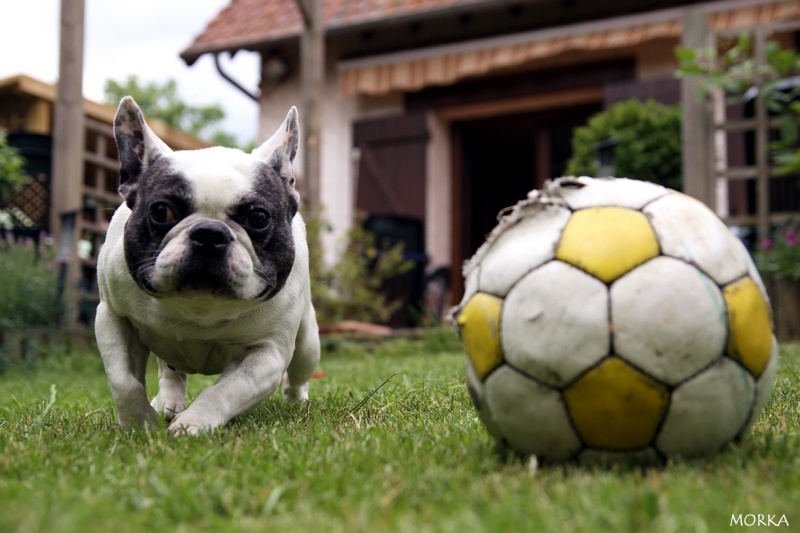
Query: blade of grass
x=368, y=396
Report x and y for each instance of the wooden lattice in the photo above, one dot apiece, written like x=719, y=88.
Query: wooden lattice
x=29, y=207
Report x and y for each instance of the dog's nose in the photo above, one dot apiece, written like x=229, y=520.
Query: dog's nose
x=210, y=237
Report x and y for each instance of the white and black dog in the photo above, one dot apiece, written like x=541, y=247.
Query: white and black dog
x=205, y=265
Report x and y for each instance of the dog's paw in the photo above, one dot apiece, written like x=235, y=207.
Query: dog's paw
x=139, y=417
x=169, y=407
x=295, y=394
x=187, y=423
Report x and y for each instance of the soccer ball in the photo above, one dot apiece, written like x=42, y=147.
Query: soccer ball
x=615, y=318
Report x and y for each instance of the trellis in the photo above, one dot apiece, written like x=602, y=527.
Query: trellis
x=708, y=127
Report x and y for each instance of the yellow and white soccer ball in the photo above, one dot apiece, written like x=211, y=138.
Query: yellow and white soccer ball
x=615, y=318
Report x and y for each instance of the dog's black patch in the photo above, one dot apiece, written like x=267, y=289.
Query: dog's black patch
x=143, y=236
x=274, y=244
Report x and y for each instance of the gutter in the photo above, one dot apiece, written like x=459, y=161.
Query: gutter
x=232, y=81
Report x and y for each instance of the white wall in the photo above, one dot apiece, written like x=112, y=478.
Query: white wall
x=438, y=197
x=336, y=183
x=337, y=180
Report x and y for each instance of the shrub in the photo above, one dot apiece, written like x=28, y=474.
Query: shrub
x=779, y=257
x=11, y=164
x=351, y=289
x=649, y=142
x=28, y=289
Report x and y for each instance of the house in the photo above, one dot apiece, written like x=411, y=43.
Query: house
x=26, y=118
x=448, y=111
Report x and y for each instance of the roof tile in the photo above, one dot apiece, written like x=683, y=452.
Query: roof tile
x=249, y=23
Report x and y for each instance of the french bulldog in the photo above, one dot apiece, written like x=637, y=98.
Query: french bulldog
x=205, y=265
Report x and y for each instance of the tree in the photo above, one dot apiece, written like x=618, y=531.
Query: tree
x=163, y=102
x=648, y=136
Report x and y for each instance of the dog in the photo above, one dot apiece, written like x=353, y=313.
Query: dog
x=205, y=265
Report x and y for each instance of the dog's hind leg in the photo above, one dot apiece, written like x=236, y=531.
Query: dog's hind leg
x=171, y=397
x=305, y=359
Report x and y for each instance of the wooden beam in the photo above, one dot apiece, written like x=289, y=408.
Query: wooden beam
x=762, y=136
x=696, y=125
x=526, y=104
x=312, y=79
x=68, y=141
x=40, y=117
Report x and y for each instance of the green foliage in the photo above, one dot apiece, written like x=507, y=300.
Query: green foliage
x=163, y=102
x=735, y=71
x=649, y=142
x=780, y=257
x=351, y=289
x=364, y=455
x=11, y=165
x=28, y=287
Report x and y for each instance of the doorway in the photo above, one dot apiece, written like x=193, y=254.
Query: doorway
x=498, y=160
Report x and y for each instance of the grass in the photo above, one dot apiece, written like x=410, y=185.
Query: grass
x=389, y=442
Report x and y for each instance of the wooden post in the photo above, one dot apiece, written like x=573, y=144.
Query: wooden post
x=698, y=177
x=312, y=79
x=68, y=145
x=761, y=137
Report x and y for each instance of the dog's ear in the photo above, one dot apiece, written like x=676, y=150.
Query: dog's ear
x=137, y=146
x=279, y=150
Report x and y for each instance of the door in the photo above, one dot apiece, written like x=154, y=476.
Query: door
x=391, y=170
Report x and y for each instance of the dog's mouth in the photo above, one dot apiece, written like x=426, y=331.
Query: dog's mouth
x=205, y=279
x=266, y=293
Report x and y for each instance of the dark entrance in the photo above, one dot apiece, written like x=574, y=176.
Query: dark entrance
x=498, y=160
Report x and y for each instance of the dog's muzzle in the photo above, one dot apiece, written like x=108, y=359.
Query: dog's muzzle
x=205, y=268
x=210, y=239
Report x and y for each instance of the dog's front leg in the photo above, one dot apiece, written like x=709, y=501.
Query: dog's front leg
x=241, y=387
x=125, y=360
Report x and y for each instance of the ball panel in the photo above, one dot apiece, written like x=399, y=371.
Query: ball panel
x=555, y=323
x=522, y=247
x=764, y=385
x=531, y=417
x=607, y=242
x=672, y=330
x=707, y=411
x=710, y=244
x=594, y=192
x=476, y=394
x=471, y=283
x=750, y=341
x=479, y=324
x=615, y=407
x=752, y=273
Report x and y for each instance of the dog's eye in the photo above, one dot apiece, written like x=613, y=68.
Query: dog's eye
x=257, y=219
x=161, y=213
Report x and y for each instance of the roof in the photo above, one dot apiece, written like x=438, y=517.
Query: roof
x=24, y=85
x=248, y=24
x=443, y=65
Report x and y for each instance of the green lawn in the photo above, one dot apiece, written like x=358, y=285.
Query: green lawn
x=406, y=456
